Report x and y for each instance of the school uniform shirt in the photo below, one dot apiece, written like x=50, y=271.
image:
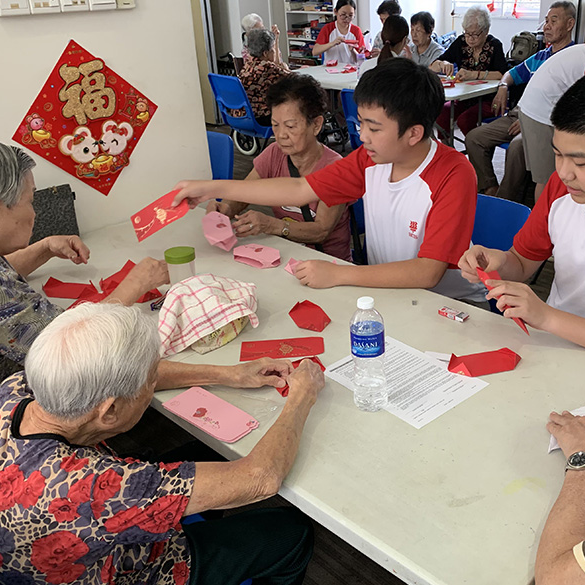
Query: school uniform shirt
x=429, y=214
x=556, y=227
x=342, y=52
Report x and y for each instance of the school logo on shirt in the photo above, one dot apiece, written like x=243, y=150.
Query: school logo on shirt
x=413, y=229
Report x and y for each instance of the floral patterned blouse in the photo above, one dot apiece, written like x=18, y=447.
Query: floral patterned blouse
x=491, y=58
x=74, y=514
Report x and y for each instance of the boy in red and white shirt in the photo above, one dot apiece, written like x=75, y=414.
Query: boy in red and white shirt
x=556, y=227
x=419, y=196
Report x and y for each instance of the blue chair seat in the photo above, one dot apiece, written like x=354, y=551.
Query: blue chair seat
x=351, y=117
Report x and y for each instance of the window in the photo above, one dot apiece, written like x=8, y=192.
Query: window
x=521, y=9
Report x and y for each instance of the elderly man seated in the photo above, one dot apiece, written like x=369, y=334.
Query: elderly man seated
x=71, y=511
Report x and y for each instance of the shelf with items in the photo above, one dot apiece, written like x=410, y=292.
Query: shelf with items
x=304, y=21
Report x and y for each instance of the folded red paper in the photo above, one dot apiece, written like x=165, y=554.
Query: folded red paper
x=108, y=285
x=284, y=390
x=495, y=275
x=157, y=215
x=68, y=290
x=281, y=348
x=308, y=315
x=481, y=364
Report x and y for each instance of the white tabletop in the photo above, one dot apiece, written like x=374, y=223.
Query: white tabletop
x=469, y=89
x=462, y=500
x=336, y=81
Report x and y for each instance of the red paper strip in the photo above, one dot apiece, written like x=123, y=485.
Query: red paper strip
x=284, y=390
x=481, y=364
x=67, y=290
x=157, y=215
x=494, y=275
x=108, y=285
x=308, y=315
x=282, y=348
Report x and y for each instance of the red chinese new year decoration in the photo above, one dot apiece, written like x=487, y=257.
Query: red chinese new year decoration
x=86, y=119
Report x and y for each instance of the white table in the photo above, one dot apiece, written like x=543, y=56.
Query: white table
x=462, y=500
x=331, y=81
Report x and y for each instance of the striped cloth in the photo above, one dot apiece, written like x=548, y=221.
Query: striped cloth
x=201, y=305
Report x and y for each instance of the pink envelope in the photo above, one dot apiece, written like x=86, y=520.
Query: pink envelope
x=257, y=256
x=332, y=70
x=218, y=230
x=211, y=414
x=292, y=265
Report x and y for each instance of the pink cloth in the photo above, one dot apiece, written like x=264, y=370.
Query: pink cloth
x=273, y=163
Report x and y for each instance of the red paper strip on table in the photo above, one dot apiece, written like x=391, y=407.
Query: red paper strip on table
x=86, y=119
x=481, y=364
x=308, y=315
x=282, y=348
x=157, y=215
x=284, y=390
x=67, y=290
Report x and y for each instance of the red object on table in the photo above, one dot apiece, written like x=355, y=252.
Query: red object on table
x=282, y=348
x=284, y=390
x=481, y=364
x=308, y=315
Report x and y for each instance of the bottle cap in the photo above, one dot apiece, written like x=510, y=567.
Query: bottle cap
x=180, y=255
x=365, y=303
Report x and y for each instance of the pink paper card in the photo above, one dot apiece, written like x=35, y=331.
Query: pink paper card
x=331, y=63
x=292, y=265
x=332, y=70
x=211, y=414
x=157, y=215
x=257, y=256
x=218, y=230
x=476, y=82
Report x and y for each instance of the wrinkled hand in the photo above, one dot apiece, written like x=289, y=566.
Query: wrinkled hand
x=521, y=300
x=568, y=430
x=149, y=273
x=500, y=102
x=317, y=273
x=253, y=223
x=515, y=128
x=275, y=30
x=487, y=259
x=258, y=373
x=68, y=248
x=195, y=192
x=446, y=68
x=307, y=378
x=219, y=206
x=466, y=75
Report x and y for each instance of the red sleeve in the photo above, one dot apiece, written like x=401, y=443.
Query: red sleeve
x=343, y=181
x=449, y=225
x=323, y=37
x=357, y=31
x=533, y=240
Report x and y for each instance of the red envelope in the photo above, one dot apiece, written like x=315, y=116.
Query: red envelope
x=308, y=315
x=281, y=348
x=67, y=290
x=157, y=215
x=218, y=230
x=108, y=285
x=494, y=275
x=284, y=390
x=352, y=42
x=331, y=63
x=481, y=364
x=257, y=256
x=349, y=69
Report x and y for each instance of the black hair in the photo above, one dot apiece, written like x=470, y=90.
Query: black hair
x=409, y=93
x=568, y=115
x=389, y=7
x=425, y=19
x=569, y=7
x=305, y=90
x=342, y=3
x=394, y=31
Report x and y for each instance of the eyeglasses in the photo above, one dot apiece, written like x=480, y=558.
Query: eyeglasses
x=473, y=35
x=346, y=16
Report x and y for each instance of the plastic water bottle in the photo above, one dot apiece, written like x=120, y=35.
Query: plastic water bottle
x=367, y=349
x=361, y=59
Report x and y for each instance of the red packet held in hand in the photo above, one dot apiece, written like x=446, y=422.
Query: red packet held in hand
x=257, y=256
x=481, y=364
x=218, y=230
x=308, y=315
x=68, y=290
x=108, y=285
x=284, y=390
x=281, y=348
x=495, y=275
x=211, y=414
x=157, y=215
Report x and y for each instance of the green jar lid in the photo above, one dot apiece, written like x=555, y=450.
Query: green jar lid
x=179, y=255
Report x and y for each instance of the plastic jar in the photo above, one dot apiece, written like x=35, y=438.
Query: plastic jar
x=181, y=263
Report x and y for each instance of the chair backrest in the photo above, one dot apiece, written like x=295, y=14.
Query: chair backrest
x=238, y=64
x=357, y=224
x=351, y=117
x=497, y=221
x=221, y=155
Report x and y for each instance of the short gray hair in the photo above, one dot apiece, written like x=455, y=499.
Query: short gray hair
x=259, y=41
x=91, y=353
x=569, y=8
x=251, y=21
x=14, y=164
x=479, y=15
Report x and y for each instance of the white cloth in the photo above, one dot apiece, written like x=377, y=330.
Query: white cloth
x=551, y=81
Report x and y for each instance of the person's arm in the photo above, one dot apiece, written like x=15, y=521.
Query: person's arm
x=441, y=66
x=259, y=475
x=565, y=527
x=467, y=75
x=320, y=49
x=500, y=101
x=30, y=258
x=254, y=374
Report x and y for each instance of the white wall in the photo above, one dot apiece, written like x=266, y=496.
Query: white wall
x=153, y=50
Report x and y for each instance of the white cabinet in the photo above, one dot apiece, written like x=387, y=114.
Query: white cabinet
x=74, y=5
x=44, y=6
x=304, y=20
x=14, y=7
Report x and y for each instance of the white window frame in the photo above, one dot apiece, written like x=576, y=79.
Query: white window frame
x=526, y=9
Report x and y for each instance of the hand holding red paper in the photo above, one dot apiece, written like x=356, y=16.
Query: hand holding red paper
x=261, y=372
x=476, y=257
x=195, y=192
x=306, y=371
x=157, y=215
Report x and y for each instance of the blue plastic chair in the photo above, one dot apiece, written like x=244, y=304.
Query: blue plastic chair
x=230, y=95
x=192, y=519
x=357, y=224
x=221, y=155
x=351, y=117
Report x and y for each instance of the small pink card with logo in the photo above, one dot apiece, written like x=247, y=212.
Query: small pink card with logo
x=211, y=414
x=218, y=230
x=257, y=255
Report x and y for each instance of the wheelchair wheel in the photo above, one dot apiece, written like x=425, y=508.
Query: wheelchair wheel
x=247, y=145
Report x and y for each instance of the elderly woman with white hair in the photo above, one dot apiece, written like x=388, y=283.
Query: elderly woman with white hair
x=71, y=511
x=478, y=56
x=24, y=312
x=250, y=22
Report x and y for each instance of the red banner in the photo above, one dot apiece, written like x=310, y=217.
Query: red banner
x=86, y=119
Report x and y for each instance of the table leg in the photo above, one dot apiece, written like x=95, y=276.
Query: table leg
x=479, y=116
x=452, y=124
